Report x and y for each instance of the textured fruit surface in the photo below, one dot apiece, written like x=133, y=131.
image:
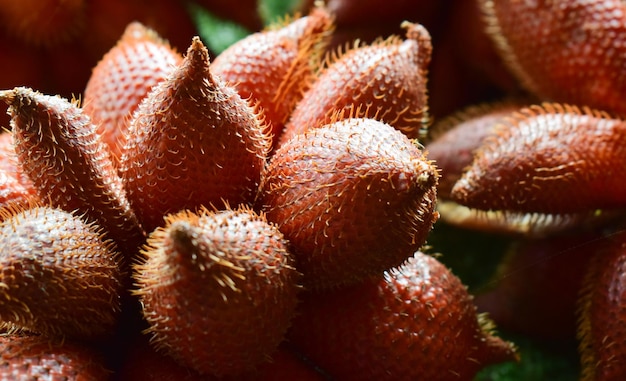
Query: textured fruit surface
x=15, y=186
x=353, y=198
x=274, y=67
x=456, y=138
x=602, y=315
x=37, y=358
x=122, y=78
x=569, y=51
x=416, y=322
x=218, y=289
x=193, y=141
x=58, y=276
x=550, y=159
x=385, y=81
x=58, y=149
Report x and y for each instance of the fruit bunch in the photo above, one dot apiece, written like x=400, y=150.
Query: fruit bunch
x=260, y=215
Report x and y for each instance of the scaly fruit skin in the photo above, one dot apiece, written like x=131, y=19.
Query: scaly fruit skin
x=193, y=141
x=58, y=149
x=353, y=198
x=385, y=81
x=456, y=138
x=274, y=67
x=59, y=277
x=415, y=323
x=549, y=159
x=24, y=357
x=122, y=78
x=15, y=187
x=602, y=315
x=218, y=289
x=566, y=51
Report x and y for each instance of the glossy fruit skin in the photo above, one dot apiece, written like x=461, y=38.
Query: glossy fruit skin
x=549, y=46
x=69, y=165
x=24, y=357
x=218, y=290
x=61, y=277
x=274, y=67
x=122, y=78
x=602, y=314
x=385, y=81
x=416, y=322
x=192, y=142
x=353, y=198
x=551, y=158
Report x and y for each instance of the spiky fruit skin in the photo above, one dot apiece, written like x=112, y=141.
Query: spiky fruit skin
x=122, y=78
x=193, y=141
x=353, y=198
x=415, y=323
x=59, y=150
x=549, y=159
x=456, y=138
x=45, y=23
x=15, y=187
x=25, y=357
x=385, y=81
x=602, y=314
x=218, y=289
x=59, y=277
x=550, y=46
x=275, y=66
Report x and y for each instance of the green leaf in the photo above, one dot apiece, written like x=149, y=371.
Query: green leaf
x=216, y=33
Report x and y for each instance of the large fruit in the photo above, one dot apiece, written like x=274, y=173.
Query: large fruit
x=353, y=198
x=193, y=141
x=415, y=323
x=218, y=289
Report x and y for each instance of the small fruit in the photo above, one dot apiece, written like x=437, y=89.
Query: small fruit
x=385, y=81
x=192, y=142
x=415, y=323
x=58, y=276
x=122, y=78
x=549, y=159
x=58, y=149
x=353, y=198
x=218, y=289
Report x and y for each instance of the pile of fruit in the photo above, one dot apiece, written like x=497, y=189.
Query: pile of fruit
x=267, y=211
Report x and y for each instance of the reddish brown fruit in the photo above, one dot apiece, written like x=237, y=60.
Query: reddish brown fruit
x=193, y=141
x=353, y=198
x=549, y=159
x=274, y=67
x=218, y=290
x=602, y=315
x=415, y=323
x=456, y=138
x=122, y=78
x=58, y=149
x=58, y=276
x=43, y=22
x=564, y=51
x=15, y=186
x=38, y=358
x=385, y=81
